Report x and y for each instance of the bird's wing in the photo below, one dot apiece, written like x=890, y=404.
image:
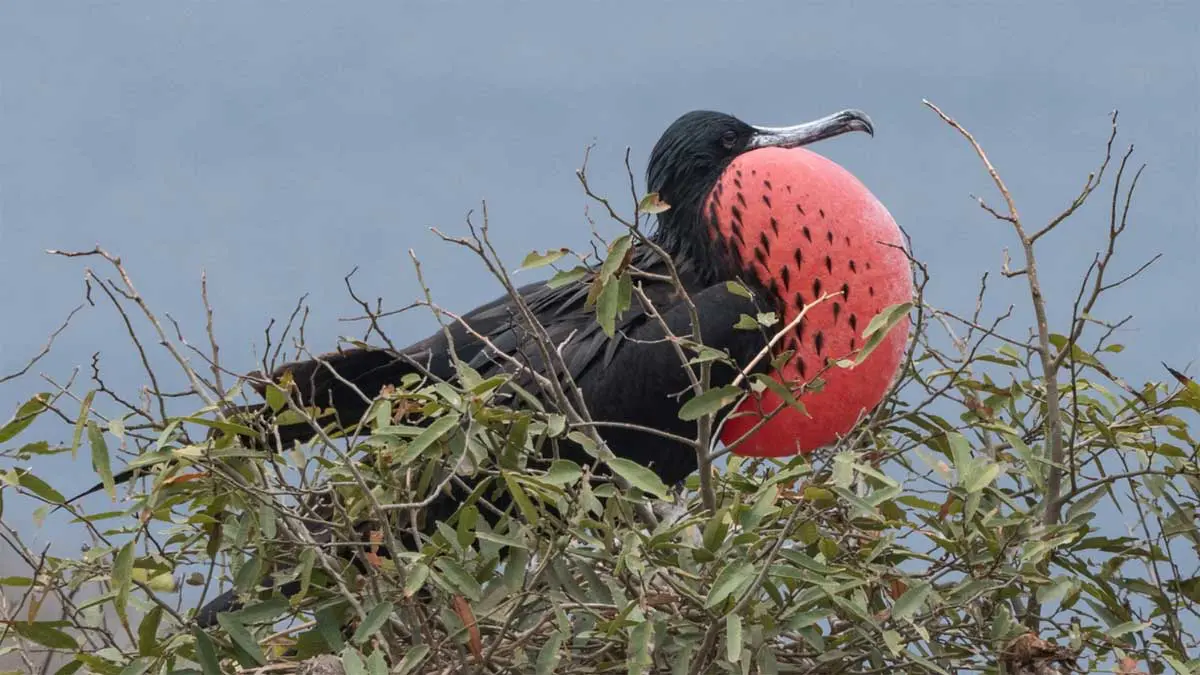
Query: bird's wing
x=495, y=338
x=492, y=338
x=569, y=324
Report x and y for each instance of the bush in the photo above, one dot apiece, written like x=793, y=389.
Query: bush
x=956, y=529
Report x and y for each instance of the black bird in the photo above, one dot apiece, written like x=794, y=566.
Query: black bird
x=634, y=377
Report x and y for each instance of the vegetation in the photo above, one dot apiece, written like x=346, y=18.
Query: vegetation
x=1016, y=506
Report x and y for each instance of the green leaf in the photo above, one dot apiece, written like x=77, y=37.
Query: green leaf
x=879, y=327
x=565, y=277
x=521, y=498
x=911, y=601
x=70, y=667
x=640, y=638
x=781, y=391
x=1084, y=506
x=228, y=427
x=329, y=624
x=709, y=402
x=614, y=262
x=608, y=306
x=1002, y=622
x=100, y=459
x=432, y=433
x=764, y=504
x=562, y=472
x=1051, y=593
x=137, y=666
x=268, y=610
x=738, y=289
x=746, y=322
x=488, y=385
x=549, y=656
x=652, y=204
x=862, y=507
x=1180, y=666
x=806, y=619
x=514, y=571
x=276, y=397
x=248, y=575
x=122, y=577
x=1034, y=469
x=716, y=529
x=375, y=620
x=828, y=548
x=981, y=477
x=501, y=539
x=767, y=319
x=624, y=292
x=376, y=665
x=116, y=427
x=733, y=638
x=534, y=259
x=45, y=634
x=25, y=416
x=892, y=639
x=960, y=451
x=1126, y=628
x=767, y=663
x=80, y=422
x=167, y=434
x=412, y=659
x=460, y=579
x=241, y=637
x=39, y=487
x=706, y=354
x=639, y=476
x=148, y=631
x=728, y=580
x=308, y=559
x=97, y=665
x=416, y=579
x=352, y=662
x=206, y=653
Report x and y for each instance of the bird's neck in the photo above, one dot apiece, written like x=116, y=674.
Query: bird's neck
x=697, y=257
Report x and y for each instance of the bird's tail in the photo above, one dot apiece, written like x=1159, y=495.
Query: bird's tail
x=341, y=383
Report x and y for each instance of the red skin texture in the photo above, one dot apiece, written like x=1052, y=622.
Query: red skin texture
x=841, y=232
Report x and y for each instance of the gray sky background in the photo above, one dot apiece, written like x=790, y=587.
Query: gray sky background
x=279, y=145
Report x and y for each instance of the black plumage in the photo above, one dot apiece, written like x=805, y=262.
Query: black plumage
x=634, y=377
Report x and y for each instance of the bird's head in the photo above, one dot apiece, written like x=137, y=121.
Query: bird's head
x=697, y=148
x=816, y=247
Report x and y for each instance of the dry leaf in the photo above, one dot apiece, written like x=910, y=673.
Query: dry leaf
x=1031, y=655
x=376, y=536
x=463, y=609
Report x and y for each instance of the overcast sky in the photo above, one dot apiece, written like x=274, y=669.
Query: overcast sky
x=279, y=145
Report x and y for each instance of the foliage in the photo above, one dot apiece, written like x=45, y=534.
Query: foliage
x=1015, y=504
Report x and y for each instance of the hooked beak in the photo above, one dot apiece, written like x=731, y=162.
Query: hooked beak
x=811, y=132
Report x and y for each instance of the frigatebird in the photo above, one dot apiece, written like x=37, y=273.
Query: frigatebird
x=633, y=377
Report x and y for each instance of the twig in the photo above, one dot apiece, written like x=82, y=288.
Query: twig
x=1054, y=430
x=45, y=348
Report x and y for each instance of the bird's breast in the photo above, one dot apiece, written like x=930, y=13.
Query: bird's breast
x=808, y=231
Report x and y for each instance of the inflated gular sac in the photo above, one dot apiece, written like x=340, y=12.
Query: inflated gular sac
x=804, y=227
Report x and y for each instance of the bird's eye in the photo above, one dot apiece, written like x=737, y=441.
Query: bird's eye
x=728, y=139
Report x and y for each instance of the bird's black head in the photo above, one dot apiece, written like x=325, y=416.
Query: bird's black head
x=694, y=151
